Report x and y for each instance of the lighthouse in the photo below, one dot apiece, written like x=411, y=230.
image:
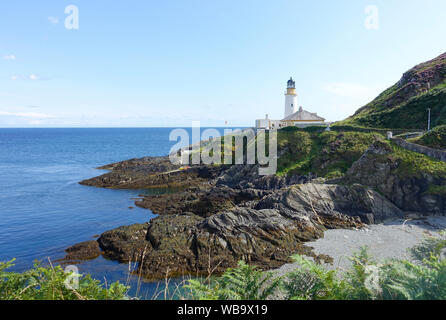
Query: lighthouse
x=290, y=98
x=294, y=116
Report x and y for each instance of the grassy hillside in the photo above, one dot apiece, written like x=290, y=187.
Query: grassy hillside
x=325, y=154
x=435, y=138
x=404, y=105
x=331, y=154
x=413, y=165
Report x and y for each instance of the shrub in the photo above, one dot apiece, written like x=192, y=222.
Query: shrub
x=423, y=279
x=312, y=282
x=48, y=283
x=242, y=283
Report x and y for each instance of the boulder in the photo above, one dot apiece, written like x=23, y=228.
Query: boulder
x=125, y=243
x=82, y=251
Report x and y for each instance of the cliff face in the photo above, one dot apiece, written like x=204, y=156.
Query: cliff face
x=404, y=104
x=411, y=181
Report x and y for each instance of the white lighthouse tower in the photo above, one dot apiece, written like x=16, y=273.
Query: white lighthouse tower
x=290, y=98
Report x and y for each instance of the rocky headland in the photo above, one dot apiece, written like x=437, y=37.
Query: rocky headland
x=210, y=217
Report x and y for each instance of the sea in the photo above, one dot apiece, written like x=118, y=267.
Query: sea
x=44, y=210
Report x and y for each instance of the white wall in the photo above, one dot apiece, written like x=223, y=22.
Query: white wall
x=290, y=104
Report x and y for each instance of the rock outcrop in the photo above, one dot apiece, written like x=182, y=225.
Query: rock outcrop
x=265, y=232
x=379, y=169
x=152, y=172
x=223, y=214
x=82, y=251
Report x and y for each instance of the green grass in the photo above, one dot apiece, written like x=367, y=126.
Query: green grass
x=325, y=154
x=412, y=164
x=409, y=114
x=437, y=190
x=331, y=154
x=436, y=138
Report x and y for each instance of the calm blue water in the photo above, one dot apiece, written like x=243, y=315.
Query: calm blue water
x=43, y=209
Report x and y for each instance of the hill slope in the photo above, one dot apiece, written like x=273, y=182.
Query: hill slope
x=404, y=105
x=435, y=138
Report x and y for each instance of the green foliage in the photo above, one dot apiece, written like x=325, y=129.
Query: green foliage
x=295, y=148
x=430, y=246
x=49, y=283
x=411, y=113
x=404, y=105
x=312, y=282
x=413, y=164
x=325, y=154
x=342, y=126
x=363, y=277
x=409, y=281
x=437, y=190
x=423, y=279
x=242, y=283
x=436, y=138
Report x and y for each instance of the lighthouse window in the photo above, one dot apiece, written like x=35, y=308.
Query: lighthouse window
x=292, y=105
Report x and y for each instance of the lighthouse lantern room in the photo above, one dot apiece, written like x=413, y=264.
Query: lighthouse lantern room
x=290, y=98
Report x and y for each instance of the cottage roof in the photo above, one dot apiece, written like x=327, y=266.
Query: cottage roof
x=303, y=115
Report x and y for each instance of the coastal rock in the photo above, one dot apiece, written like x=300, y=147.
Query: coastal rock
x=265, y=233
x=332, y=205
x=146, y=164
x=82, y=251
x=125, y=243
x=204, y=201
x=153, y=173
x=379, y=169
x=247, y=177
x=188, y=244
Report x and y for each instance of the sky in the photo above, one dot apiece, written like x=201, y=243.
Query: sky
x=167, y=63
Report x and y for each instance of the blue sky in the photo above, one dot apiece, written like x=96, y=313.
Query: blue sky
x=167, y=63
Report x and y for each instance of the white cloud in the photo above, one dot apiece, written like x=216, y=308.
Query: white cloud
x=9, y=57
x=34, y=76
x=33, y=115
x=36, y=122
x=352, y=90
x=53, y=20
